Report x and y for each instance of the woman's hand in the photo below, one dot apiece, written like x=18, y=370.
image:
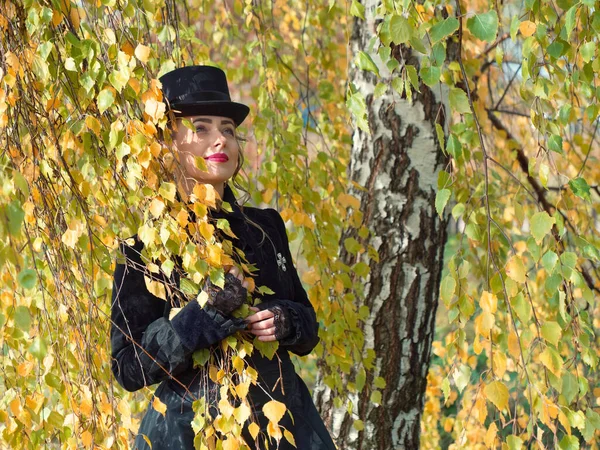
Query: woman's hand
x=232, y=296
x=269, y=324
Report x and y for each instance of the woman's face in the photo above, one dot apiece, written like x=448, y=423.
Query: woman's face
x=213, y=139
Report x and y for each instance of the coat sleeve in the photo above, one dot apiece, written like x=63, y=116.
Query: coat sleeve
x=305, y=333
x=146, y=346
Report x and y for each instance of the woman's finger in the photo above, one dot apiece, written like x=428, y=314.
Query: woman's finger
x=267, y=338
x=263, y=324
x=261, y=315
x=266, y=332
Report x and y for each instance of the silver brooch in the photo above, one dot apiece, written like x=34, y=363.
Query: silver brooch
x=281, y=261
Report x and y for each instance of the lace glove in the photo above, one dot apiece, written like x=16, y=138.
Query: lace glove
x=282, y=322
x=231, y=297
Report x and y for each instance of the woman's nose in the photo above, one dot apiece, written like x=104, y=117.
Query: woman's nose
x=220, y=139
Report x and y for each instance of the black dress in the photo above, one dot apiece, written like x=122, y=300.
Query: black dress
x=164, y=348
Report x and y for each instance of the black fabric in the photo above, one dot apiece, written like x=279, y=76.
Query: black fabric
x=148, y=348
x=197, y=90
x=231, y=297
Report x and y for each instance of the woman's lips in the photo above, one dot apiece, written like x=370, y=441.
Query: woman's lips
x=218, y=157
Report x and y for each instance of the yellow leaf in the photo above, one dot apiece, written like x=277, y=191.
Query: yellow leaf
x=347, y=200
x=488, y=302
x=156, y=288
x=311, y=277
x=552, y=360
x=242, y=389
x=93, y=124
x=497, y=393
x=123, y=408
x=515, y=269
x=253, y=428
x=142, y=53
x=484, y=323
x=225, y=408
x=238, y=364
x=499, y=364
x=527, y=28
x=154, y=108
x=86, y=438
x=480, y=409
x=159, y=406
x=274, y=431
x=241, y=413
x=24, y=368
x=147, y=439
x=490, y=436
x=86, y=407
x=206, y=230
x=157, y=207
x=231, y=443
x=289, y=437
x=564, y=421
x=274, y=410
x=513, y=345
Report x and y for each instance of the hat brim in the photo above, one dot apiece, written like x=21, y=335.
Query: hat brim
x=235, y=111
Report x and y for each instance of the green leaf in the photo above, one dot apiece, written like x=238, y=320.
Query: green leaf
x=105, y=100
x=430, y=75
x=200, y=357
x=446, y=389
x=514, y=27
x=358, y=107
x=21, y=183
x=447, y=288
x=588, y=50
x=552, y=332
x=454, y=147
x=459, y=101
x=352, y=245
x=27, y=278
x=413, y=77
x=38, y=348
x=15, y=217
x=570, y=20
x=400, y=29
x=22, y=318
x=461, y=377
x=522, y=307
x=376, y=397
x=541, y=224
x=484, y=26
x=514, y=442
x=569, y=443
x=570, y=387
x=357, y=9
x=443, y=29
x=549, y=261
x=555, y=143
x=365, y=62
x=556, y=49
x=441, y=199
x=580, y=188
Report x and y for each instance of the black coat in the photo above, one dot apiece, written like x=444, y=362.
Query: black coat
x=164, y=348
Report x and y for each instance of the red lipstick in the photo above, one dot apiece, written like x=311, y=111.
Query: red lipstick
x=217, y=157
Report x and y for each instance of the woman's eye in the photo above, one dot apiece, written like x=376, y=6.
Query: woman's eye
x=200, y=128
x=229, y=131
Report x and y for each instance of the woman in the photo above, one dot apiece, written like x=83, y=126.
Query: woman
x=151, y=343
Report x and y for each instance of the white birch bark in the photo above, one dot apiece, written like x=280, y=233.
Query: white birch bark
x=398, y=164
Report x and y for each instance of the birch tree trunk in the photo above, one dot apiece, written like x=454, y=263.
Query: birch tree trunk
x=398, y=164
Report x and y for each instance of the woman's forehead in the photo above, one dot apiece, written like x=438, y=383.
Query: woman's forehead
x=208, y=119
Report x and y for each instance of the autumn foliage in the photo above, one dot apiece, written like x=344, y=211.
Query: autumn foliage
x=83, y=167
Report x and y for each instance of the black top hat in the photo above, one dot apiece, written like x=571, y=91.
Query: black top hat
x=201, y=90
